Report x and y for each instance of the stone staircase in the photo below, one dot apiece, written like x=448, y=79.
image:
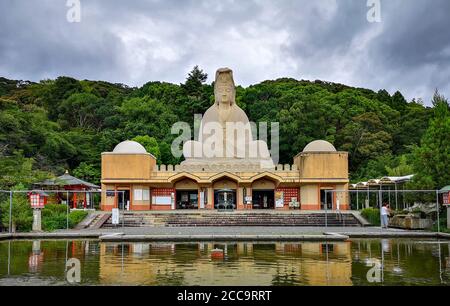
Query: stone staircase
x=204, y=219
x=94, y=221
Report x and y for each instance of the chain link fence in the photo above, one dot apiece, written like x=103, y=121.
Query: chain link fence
x=424, y=205
x=59, y=209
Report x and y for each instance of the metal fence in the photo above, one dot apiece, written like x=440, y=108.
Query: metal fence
x=19, y=201
x=398, y=200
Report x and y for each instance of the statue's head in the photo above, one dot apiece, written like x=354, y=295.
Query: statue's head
x=224, y=89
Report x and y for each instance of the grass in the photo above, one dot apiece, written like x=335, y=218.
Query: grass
x=372, y=215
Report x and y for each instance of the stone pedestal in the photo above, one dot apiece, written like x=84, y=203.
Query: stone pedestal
x=37, y=218
x=36, y=247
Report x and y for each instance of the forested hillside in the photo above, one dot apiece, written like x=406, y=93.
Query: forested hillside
x=60, y=124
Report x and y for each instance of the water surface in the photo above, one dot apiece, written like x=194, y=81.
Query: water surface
x=393, y=262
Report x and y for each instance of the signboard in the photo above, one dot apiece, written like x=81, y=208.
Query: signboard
x=279, y=199
x=110, y=193
x=202, y=200
x=166, y=200
x=446, y=197
x=115, y=216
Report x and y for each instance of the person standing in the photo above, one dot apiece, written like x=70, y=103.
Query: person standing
x=385, y=211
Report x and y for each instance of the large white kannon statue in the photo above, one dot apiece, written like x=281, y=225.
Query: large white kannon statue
x=225, y=134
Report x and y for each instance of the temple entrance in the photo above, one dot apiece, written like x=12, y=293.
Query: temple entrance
x=263, y=199
x=326, y=197
x=225, y=199
x=123, y=202
x=187, y=199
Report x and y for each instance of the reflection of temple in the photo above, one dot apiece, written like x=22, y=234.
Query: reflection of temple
x=191, y=264
x=234, y=177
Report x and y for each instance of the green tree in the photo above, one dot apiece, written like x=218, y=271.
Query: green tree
x=402, y=168
x=432, y=157
x=196, y=98
x=19, y=170
x=150, y=144
x=88, y=172
x=22, y=214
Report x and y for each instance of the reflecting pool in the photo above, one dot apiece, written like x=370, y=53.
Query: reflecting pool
x=355, y=262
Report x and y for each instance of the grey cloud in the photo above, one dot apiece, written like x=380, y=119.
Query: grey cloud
x=133, y=42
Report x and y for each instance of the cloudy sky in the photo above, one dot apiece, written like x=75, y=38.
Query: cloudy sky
x=137, y=41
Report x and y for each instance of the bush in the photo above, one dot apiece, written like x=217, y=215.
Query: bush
x=54, y=217
x=76, y=217
x=372, y=215
x=22, y=214
x=443, y=224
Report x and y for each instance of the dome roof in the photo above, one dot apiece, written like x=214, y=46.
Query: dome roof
x=129, y=147
x=319, y=146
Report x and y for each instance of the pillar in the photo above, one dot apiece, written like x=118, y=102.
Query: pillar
x=210, y=204
x=37, y=218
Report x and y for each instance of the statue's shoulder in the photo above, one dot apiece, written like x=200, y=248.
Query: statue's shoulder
x=239, y=114
x=211, y=113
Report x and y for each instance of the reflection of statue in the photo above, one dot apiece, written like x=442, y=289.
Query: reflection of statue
x=225, y=133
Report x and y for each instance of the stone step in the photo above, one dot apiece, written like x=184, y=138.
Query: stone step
x=235, y=219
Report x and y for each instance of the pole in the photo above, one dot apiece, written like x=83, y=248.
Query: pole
x=368, y=195
x=357, y=199
x=9, y=257
x=10, y=210
x=403, y=196
x=396, y=197
x=437, y=211
x=67, y=211
x=389, y=196
x=380, y=193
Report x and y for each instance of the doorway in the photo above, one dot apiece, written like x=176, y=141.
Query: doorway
x=123, y=199
x=187, y=199
x=326, y=197
x=263, y=199
x=225, y=199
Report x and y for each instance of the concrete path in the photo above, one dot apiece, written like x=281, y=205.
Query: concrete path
x=228, y=233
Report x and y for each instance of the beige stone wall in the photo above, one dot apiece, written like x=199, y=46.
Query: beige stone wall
x=225, y=184
x=107, y=203
x=186, y=184
x=139, y=205
x=263, y=184
x=127, y=166
x=322, y=165
x=309, y=197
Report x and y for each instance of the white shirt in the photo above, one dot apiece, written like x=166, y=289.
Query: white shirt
x=384, y=211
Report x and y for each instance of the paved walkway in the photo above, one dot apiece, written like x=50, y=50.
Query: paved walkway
x=228, y=233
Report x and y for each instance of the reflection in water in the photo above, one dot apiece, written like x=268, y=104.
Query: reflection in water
x=410, y=262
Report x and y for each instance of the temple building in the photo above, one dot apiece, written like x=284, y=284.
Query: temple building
x=236, y=172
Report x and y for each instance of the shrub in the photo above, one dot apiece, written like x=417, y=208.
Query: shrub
x=443, y=224
x=54, y=217
x=372, y=215
x=76, y=217
x=22, y=214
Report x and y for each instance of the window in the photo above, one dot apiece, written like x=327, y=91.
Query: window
x=141, y=194
x=138, y=194
x=146, y=194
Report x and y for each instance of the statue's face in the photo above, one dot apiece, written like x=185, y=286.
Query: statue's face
x=225, y=92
